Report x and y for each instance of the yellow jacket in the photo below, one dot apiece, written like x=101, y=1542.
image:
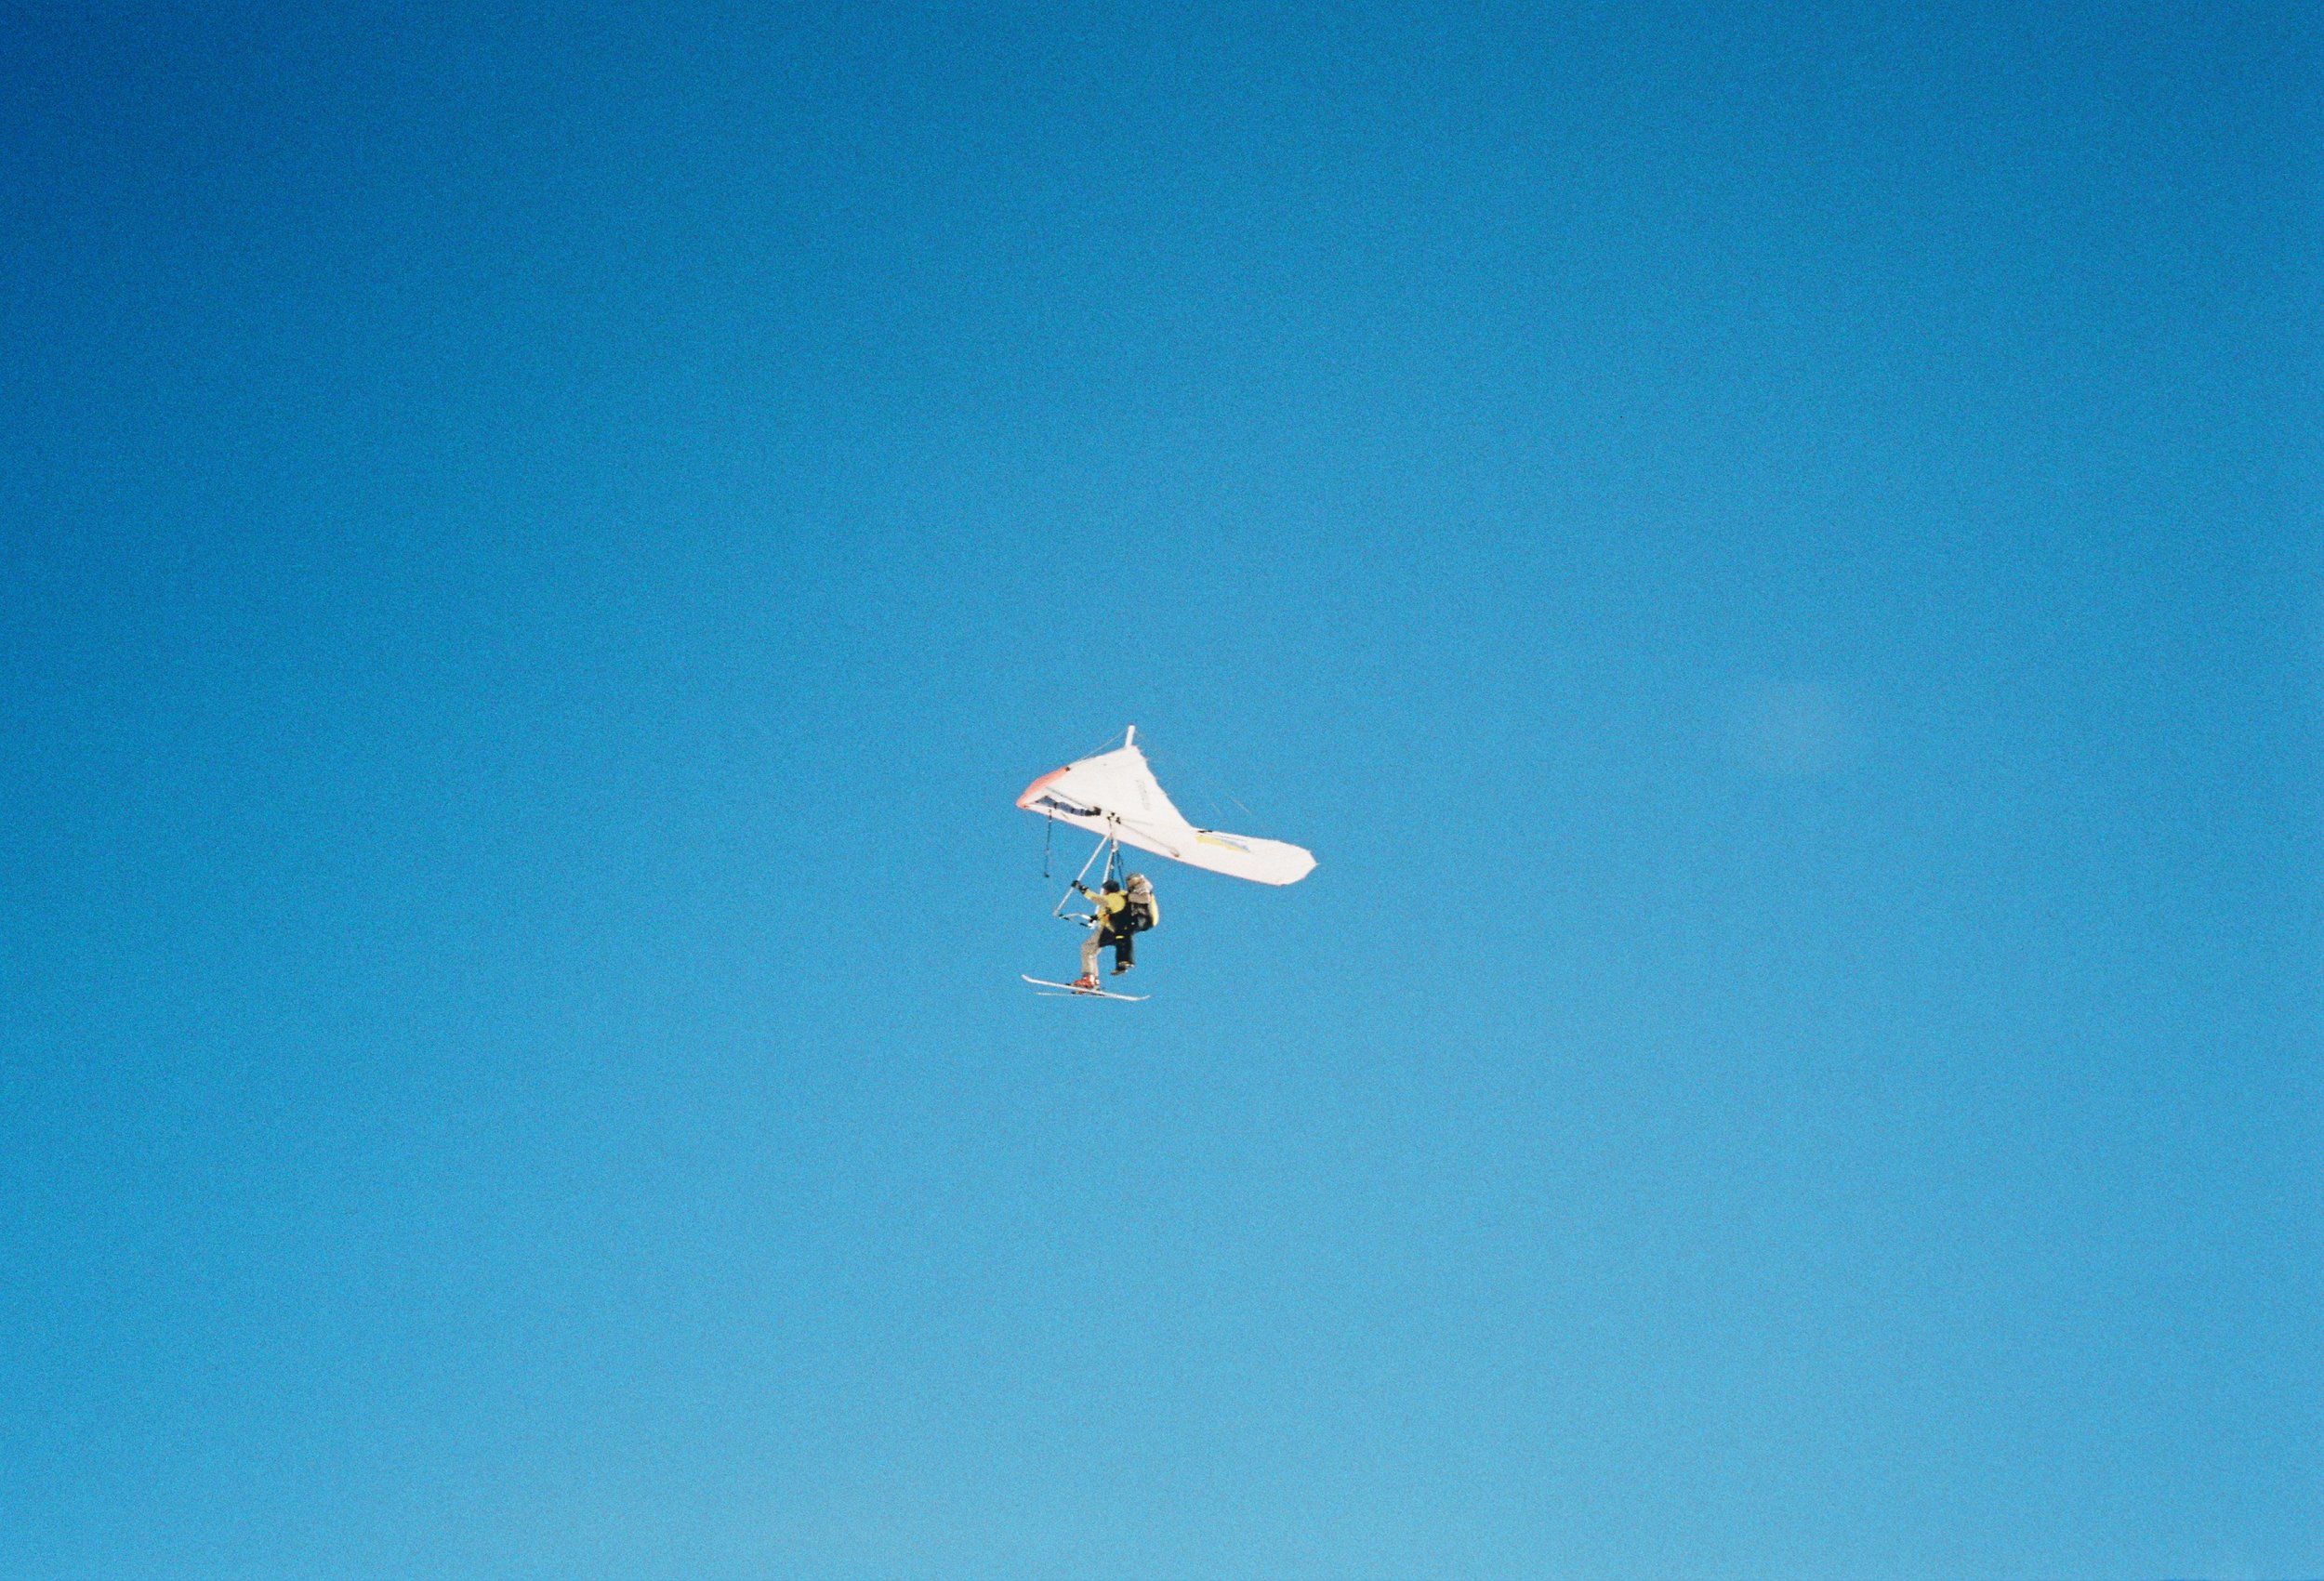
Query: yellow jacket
x=1109, y=906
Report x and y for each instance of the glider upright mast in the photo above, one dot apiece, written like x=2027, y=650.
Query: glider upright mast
x=1109, y=845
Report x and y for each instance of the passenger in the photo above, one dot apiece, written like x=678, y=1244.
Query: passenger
x=1142, y=913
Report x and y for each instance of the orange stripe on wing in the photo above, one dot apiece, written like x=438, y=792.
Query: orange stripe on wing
x=1034, y=788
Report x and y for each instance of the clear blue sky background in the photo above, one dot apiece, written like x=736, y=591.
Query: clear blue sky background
x=1770, y=550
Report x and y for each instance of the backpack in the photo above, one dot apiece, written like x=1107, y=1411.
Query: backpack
x=1144, y=911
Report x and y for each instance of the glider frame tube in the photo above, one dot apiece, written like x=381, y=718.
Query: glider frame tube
x=1107, y=842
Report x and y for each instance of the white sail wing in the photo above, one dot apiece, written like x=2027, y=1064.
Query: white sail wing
x=1116, y=793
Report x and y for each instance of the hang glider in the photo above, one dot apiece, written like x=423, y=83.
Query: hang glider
x=1116, y=795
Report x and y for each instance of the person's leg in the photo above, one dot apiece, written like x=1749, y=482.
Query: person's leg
x=1124, y=952
x=1090, y=952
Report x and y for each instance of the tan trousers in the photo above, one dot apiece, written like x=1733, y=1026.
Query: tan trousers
x=1090, y=948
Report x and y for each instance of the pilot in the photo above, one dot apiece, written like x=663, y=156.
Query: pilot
x=1110, y=927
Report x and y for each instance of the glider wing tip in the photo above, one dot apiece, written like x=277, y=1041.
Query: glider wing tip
x=1034, y=788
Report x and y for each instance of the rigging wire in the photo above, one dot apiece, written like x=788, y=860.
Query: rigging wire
x=1206, y=787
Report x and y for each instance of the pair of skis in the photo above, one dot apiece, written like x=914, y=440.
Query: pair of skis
x=1062, y=990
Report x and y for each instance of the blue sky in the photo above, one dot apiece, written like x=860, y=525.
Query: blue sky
x=1770, y=551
